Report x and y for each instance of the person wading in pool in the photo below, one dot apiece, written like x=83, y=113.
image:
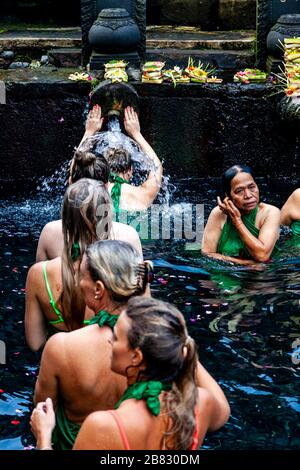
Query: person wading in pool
x=241, y=229
x=162, y=408
x=75, y=368
x=84, y=165
x=124, y=195
x=53, y=298
x=290, y=216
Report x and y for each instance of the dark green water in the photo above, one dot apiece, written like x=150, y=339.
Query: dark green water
x=244, y=321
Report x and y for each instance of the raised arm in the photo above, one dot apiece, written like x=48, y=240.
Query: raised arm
x=216, y=409
x=290, y=211
x=93, y=124
x=35, y=322
x=151, y=186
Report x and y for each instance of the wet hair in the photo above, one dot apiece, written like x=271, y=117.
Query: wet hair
x=120, y=267
x=170, y=354
x=229, y=174
x=86, y=217
x=119, y=160
x=87, y=164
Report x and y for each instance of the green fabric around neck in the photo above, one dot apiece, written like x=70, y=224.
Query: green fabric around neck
x=116, y=189
x=295, y=227
x=148, y=391
x=65, y=432
x=230, y=243
x=104, y=318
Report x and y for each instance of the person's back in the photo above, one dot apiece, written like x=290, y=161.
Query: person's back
x=43, y=310
x=51, y=240
x=122, y=432
x=80, y=362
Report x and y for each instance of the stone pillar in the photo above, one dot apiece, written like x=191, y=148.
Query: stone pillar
x=268, y=12
x=89, y=13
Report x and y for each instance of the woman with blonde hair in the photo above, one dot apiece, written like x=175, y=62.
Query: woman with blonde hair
x=75, y=368
x=53, y=299
x=171, y=401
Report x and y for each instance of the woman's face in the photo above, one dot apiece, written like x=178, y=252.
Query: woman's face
x=244, y=192
x=122, y=353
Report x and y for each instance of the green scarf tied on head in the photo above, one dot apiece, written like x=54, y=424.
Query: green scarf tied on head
x=148, y=391
x=104, y=318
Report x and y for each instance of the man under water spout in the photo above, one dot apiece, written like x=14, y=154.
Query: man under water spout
x=125, y=196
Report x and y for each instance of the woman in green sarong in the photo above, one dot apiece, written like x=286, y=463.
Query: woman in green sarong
x=240, y=228
x=75, y=367
x=290, y=216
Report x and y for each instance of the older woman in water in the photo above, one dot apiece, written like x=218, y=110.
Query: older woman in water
x=162, y=407
x=240, y=228
x=75, y=368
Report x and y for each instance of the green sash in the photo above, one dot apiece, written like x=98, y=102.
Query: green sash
x=65, y=432
x=104, y=318
x=116, y=189
x=148, y=391
x=230, y=243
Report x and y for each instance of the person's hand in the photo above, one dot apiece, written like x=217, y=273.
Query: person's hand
x=42, y=420
x=94, y=121
x=228, y=208
x=131, y=122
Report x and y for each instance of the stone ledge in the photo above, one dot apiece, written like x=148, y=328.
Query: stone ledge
x=194, y=38
x=226, y=60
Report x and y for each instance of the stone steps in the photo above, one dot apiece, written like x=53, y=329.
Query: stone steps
x=228, y=50
x=184, y=37
x=225, y=50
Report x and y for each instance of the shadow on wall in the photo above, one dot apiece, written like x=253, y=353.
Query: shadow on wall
x=58, y=12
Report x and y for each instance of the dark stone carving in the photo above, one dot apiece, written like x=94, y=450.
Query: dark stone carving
x=88, y=16
x=114, y=98
x=114, y=31
x=289, y=111
x=286, y=26
x=268, y=12
x=89, y=13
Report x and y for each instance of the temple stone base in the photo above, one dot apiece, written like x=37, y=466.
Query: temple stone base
x=98, y=60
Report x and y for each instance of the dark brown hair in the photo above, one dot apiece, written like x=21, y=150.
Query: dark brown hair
x=86, y=217
x=89, y=165
x=119, y=160
x=170, y=354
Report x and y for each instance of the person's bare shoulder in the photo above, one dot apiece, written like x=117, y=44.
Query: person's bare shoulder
x=50, y=243
x=269, y=210
x=127, y=234
x=52, y=228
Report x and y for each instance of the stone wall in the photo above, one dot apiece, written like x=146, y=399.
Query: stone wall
x=208, y=14
x=60, y=12
x=197, y=130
